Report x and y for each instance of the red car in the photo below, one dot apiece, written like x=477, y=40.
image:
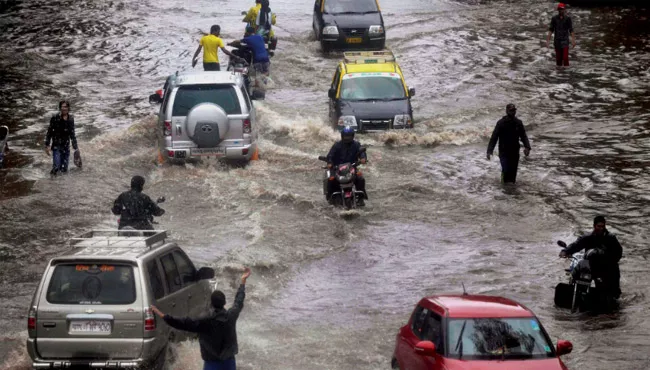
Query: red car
x=475, y=332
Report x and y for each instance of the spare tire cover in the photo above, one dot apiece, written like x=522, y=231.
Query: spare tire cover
x=207, y=124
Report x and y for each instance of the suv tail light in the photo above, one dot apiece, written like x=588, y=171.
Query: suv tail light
x=31, y=319
x=168, y=128
x=247, y=126
x=149, y=320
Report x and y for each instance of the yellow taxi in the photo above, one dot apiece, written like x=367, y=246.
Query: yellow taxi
x=369, y=93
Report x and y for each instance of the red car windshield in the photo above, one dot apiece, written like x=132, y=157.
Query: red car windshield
x=498, y=338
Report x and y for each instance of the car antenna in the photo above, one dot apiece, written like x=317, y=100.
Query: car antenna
x=464, y=291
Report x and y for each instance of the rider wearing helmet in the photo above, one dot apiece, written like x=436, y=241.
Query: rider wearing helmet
x=253, y=15
x=347, y=150
x=603, y=251
x=135, y=207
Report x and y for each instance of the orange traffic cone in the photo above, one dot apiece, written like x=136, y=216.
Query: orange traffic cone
x=255, y=155
x=161, y=159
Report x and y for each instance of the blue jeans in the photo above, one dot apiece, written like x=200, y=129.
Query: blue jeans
x=60, y=159
x=228, y=364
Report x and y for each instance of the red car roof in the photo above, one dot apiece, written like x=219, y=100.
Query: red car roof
x=479, y=306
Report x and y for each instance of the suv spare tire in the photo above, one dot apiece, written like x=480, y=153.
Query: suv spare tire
x=207, y=125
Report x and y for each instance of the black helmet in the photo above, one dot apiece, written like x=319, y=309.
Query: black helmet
x=137, y=183
x=347, y=134
x=511, y=110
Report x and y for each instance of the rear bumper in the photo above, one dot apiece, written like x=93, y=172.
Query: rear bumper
x=150, y=349
x=243, y=152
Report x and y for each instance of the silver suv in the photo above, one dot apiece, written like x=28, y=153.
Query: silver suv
x=91, y=307
x=206, y=114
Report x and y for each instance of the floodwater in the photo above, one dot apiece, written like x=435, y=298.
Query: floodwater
x=330, y=290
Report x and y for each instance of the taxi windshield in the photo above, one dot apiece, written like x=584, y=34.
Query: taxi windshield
x=498, y=338
x=372, y=87
x=350, y=6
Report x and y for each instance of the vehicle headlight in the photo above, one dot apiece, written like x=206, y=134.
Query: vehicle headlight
x=376, y=30
x=402, y=120
x=347, y=121
x=331, y=30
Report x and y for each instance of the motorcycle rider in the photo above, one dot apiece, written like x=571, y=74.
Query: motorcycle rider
x=135, y=208
x=603, y=251
x=252, y=17
x=255, y=43
x=347, y=150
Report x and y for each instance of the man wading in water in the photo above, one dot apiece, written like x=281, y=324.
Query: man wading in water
x=508, y=131
x=562, y=27
x=217, y=331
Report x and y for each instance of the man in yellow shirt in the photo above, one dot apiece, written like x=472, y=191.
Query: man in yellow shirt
x=212, y=43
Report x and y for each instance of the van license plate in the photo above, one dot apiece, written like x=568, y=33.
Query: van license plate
x=354, y=40
x=207, y=151
x=90, y=326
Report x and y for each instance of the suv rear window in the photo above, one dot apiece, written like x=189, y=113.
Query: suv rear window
x=187, y=96
x=91, y=284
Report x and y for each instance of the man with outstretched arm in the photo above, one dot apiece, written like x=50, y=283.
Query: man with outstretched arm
x=217, y=331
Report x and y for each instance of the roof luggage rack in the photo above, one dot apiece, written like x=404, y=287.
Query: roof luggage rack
x=120, y=239
x=368, y=57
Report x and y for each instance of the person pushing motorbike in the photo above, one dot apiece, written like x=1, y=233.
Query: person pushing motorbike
x=136, y=208
x=347, y=150
x=255, y=43
x=603, y=251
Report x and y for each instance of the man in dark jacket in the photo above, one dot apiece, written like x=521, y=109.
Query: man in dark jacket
x=605, y=262
x=508, y=131
x=562, y=26
x=136, y=208
x=217, y=331
x=60, y=133
x=347, y=150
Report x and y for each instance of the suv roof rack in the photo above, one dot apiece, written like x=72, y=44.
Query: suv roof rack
x=117, y=239
x=368, y=57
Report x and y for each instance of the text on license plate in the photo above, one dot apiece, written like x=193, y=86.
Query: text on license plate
x=90, y=326
x=354, y=40
x=207, y=151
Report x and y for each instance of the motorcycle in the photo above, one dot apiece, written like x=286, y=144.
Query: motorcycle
x=131, y=231
x=245, y=68
x=348, y=196
x=582, y=292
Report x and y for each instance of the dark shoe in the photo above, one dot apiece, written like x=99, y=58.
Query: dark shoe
x=361, y=202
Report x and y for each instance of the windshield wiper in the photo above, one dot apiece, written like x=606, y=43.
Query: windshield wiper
x=459, y=342
x=391, y=99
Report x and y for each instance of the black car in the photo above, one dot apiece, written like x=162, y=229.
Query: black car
x=343, y=24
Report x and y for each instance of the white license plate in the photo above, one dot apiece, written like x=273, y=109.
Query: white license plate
x=207, y=151
x=90, y=326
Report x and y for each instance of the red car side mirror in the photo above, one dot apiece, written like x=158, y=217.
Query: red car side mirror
x=425, y=348
x=564, y=347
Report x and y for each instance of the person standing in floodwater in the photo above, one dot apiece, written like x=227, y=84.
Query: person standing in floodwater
x=60, y=134
x=561, y=26
x=508, y=131
x=211, y=44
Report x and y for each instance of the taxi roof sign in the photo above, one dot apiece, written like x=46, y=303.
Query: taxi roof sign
x=368, y=57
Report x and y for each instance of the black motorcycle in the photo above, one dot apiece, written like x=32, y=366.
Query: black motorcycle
x=245, y=67
x=131, y=231
x=583, y=291
x=348, y=196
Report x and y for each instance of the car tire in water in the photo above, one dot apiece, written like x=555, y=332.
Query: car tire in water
x=326, y=49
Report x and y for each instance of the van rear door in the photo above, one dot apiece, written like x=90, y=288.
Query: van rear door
x=90, y=310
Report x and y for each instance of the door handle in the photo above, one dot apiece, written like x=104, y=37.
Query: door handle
x=49, y=324
x=179, y=130
x=189, y=296
x=173, y=304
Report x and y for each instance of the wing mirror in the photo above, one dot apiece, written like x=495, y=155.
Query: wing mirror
x=427, y=348
x=243, y=12
x=322, y=158
x=160, y=200
x=331, y=93
x=205, y=273
x=561, y=243
x=564, y=347
x=362, y=150
x=157, y=97
x=411, y=92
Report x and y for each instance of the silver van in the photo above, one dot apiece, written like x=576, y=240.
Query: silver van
x=206, y=114
x=92, y=306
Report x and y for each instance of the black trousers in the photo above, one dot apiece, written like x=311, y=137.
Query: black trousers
x=509, y=165
x=211, y=67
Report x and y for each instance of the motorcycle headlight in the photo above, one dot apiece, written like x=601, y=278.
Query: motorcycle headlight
x=331, y=30
x=402, y=120
x=376, y=30
x=347, y=121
